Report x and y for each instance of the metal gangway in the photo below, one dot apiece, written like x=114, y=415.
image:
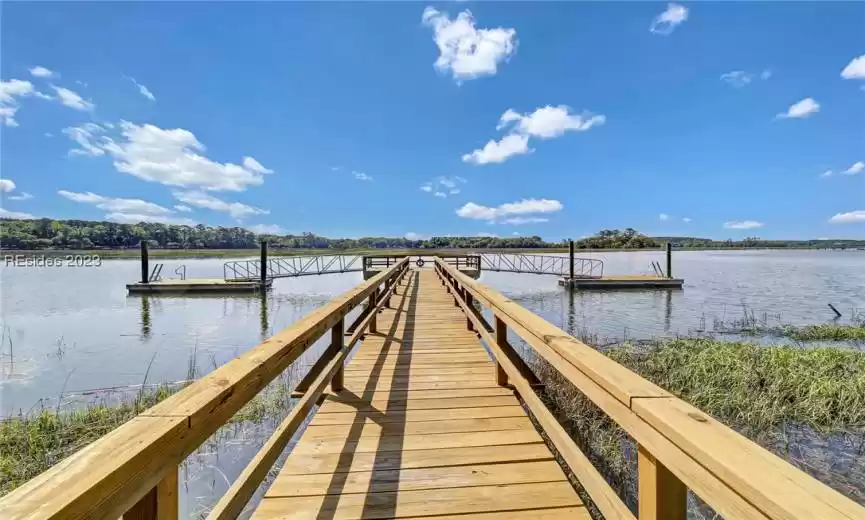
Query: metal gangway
x=291, y=266
x=542, y=264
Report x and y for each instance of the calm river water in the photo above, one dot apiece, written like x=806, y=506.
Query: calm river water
x=69, y=330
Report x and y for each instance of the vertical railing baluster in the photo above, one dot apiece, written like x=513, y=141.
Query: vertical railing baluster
x=337, y=340
x=373, y=299
x=469, y=300
x=502, y=342
x=661, y=495
x=160, y=503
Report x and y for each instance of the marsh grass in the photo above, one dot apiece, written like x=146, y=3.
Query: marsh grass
x=32, y=442
x=805, y=405
x=750, y=323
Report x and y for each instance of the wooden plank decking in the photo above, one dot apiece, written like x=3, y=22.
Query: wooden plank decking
x=421, y=429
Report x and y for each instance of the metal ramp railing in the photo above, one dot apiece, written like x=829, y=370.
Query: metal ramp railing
x=541, y=264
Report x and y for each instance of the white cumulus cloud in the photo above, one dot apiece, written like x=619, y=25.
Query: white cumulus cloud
x=544, y=123
x=743, y=224
x=499, y=151
x=200, y=199
x=10, y=91
x=667, y=21
x=855, y=69
x=168, y=156
x=855, y=168
x=6, y=185
x=41, y=72
x=464, y=50
x=802, y=109
x=849, y=217
x=505, y=213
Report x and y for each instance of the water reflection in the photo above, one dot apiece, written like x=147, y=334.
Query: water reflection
x=145, y=318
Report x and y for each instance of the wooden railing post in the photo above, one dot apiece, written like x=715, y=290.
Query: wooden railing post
x=661, y=495
x=373, y=299
x=456, y=293
x=501, y=341
x=337, y=335
x=469, y=325
x=160, y=503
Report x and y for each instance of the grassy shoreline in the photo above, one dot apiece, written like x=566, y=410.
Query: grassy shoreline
x=243, y=253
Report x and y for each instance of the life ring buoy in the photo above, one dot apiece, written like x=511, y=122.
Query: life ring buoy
x=419, y=262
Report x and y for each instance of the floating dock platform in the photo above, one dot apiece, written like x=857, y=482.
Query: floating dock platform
x=625, y=281
x=198, y=285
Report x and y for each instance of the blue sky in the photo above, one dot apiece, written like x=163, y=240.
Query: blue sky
x=717, y=119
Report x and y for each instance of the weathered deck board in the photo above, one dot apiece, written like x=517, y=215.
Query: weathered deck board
x=421, y=429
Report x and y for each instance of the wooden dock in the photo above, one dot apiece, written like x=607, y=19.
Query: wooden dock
x=411, y=416
x=421, y=428
x=197, y=285
x=625, y=281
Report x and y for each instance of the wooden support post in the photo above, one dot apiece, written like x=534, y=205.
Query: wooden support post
x=661, y=496
x=263, y=269
x=456, y=294
x=373, y=300
x=387, y=286
x=571, y=256
x=145, y=263
x=160, y=503
x=336, y=344
x=669, y=260
x=501, y=339
x=469, y=301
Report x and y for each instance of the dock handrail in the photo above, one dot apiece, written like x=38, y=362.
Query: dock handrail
x=133, y=469
x=679, y=446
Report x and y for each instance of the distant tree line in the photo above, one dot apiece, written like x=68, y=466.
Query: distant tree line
x=83, y=234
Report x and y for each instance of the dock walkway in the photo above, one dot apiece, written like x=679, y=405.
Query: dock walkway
x=421, y=428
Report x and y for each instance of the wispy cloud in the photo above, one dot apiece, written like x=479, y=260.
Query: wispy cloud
x=362, y=176
x=266, y=229
x=666, y=22
x=72, y=99
x=200, y=199
x=128, y=211
x=743, y=224
x=511, y=213
x=144, y=91
x=664, y=216
x=443, y=186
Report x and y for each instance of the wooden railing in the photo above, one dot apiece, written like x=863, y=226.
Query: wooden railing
x=679, y=446
x=132, y=471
